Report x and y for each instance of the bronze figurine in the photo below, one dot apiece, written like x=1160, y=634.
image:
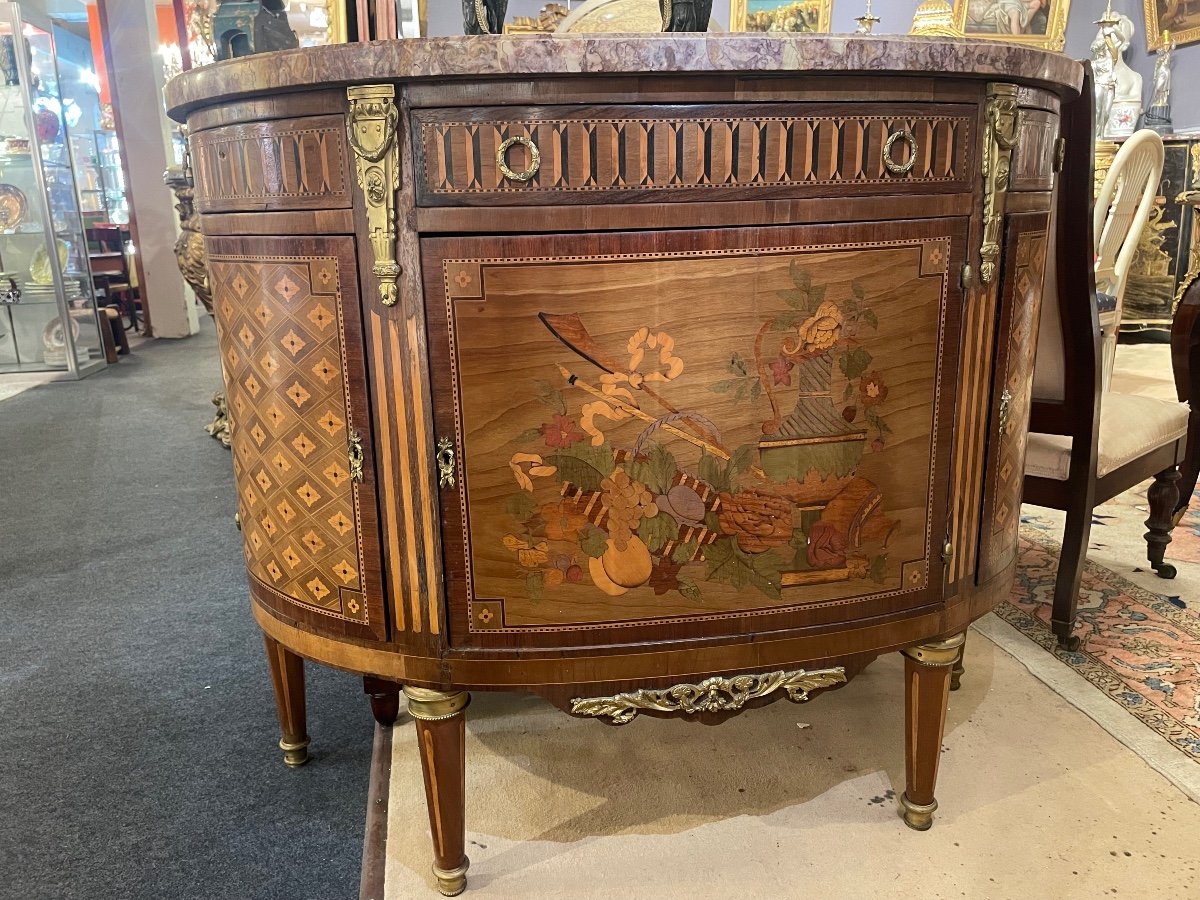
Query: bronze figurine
x=685, y=15
x=484, y=16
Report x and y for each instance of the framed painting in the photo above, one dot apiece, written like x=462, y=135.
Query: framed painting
x=1180, y=17
x=781, y=16
x=1040, y=23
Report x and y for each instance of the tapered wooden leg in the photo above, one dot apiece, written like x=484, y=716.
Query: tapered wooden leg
x=1163, y=496
x=927, y=692
x=1070, y=574
x=287, y=677
x=385, y=699
x=441, y=739
x=956, y=671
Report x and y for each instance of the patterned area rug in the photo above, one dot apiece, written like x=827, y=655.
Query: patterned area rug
x=1140, y=633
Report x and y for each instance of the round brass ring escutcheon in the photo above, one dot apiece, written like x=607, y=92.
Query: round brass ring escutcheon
x=535, y=158
x=907, y=166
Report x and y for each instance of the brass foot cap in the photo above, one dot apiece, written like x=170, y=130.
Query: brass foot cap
x=295, y=753
x=452, y=882
x=917, y=816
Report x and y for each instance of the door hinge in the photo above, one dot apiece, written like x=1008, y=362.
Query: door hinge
x=966, y=276
x=1060, y=154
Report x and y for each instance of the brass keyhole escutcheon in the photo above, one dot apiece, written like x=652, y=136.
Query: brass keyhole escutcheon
x=535, y=159
x=445, y=463
x=354, y=455
x=907, y=166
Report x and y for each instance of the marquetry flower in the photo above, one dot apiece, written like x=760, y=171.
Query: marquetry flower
x=340, y=523
x=303, y=444
x=345, y=571
x=353, y=606
x=293, y=343
x=317, y=588
x=325, y=370
x=485, y=615
x=298, y=394
x=308, y=493
x=320, y=316
x=313, y=542
x=872, y=389
x=561, y=432
x=263, y=313
x=826, y=546
x=817, y=333
x=781, y=370
x=287, y=288
x=758, y=520
x=530, y=555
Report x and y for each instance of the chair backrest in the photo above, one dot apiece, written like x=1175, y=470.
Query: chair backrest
x=1123, y=208
x=1069, y=330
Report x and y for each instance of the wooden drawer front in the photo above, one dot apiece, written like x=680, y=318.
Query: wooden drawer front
x=1033, y=157
x=638, y=461
x=1008, y=429
x=636, y=153
x=284, y=164
x=291, y=347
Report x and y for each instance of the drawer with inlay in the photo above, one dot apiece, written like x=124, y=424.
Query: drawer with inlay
x=528, y=156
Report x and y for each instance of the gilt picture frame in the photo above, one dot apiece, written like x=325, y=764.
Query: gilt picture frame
x=781, y=16
x=1181, y=19
x=1035, y=23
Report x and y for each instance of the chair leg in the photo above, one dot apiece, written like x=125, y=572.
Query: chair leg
x=442, y=742
x=1070, y=574
x=1163, y=496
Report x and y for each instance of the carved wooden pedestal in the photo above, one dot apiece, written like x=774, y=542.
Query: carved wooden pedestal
x=658, y=376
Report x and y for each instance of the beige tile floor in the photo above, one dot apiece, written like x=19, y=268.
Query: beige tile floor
x=1037, y=801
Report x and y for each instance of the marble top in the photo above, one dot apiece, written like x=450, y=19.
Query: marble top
x=524, y=55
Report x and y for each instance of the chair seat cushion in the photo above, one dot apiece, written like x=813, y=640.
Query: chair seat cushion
x=1130, y=427
x=1106, y=303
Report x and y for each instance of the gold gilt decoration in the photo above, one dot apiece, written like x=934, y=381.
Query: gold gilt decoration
x=934, y=18
x=998, y=142
x=373, y=127
x=714, y=694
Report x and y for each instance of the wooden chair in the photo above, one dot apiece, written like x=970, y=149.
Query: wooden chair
x=1185, y=360
x=111, y=268
x=1118, y=218
x=1087, y=445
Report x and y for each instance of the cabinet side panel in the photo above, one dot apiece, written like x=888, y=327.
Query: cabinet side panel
x=292, y=357
x=1008, y=427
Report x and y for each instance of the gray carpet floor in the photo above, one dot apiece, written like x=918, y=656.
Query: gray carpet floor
x=137, y=727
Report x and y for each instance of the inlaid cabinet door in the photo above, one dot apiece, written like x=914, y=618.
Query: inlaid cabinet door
x=1008, y=428
x=290, y=332
x=746, y=430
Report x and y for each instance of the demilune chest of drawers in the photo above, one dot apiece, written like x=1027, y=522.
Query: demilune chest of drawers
x=657, y=375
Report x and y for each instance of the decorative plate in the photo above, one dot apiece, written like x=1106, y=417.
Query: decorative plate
x=13, y=206
x=40, y=271
x=54, y=336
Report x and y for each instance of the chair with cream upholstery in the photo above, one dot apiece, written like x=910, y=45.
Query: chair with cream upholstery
x=1118, y=219
x=1086, y=444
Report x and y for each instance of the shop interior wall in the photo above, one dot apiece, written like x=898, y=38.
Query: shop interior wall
x=445, y=18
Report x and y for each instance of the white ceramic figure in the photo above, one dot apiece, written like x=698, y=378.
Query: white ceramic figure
x=1127, y=84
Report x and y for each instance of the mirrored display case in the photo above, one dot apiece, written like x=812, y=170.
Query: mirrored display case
x=48, y=315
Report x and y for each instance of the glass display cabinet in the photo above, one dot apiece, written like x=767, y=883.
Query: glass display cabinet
x=48, y=315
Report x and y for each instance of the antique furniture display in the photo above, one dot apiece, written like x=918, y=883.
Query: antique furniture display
x=1088, y=444
x=42, y=245
x=1120, y=215
x=552, y=366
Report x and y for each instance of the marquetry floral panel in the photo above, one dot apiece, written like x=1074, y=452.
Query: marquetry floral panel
x=282, y=354
x=698, y=434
